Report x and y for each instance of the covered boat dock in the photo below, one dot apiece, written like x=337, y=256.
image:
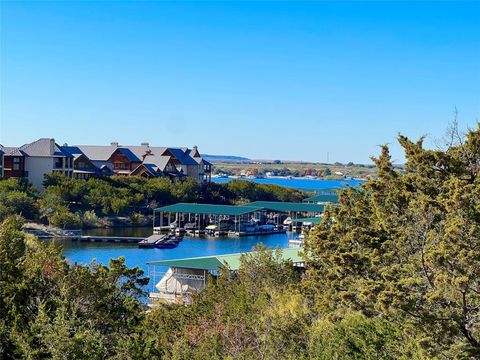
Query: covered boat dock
x=292, y=210
x=255, y=218
x=187, y=275
x=198, y=219
x=324, y=196
x=290, y=207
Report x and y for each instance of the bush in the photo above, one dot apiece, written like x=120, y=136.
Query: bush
x=63, y=218
x=135, y=218
x=91, y=220
x=17, y=197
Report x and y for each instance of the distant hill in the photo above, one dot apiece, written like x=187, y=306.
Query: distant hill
x=226, y=159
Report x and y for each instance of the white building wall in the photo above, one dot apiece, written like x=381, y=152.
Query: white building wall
x=37, y=167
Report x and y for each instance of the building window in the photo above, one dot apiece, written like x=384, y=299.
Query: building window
x=120, y=166
x=57, y=163
x=16, y=163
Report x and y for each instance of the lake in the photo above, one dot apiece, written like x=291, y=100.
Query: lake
x=85, y=252
x=299, y=183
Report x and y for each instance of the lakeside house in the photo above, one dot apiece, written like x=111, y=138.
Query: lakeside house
x=151, y=161
x=34, y=160
x=85, y=168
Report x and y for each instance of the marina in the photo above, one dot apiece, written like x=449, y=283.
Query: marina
x=252, y=219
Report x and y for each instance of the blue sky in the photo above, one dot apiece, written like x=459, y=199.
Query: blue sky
x=275, y=80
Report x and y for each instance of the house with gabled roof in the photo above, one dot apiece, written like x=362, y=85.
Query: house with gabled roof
x=205, y=166
x=85, y=168
x=155, y=164
x=151, y=161
x=36, y=159
x=121, y=158
x=187, y=162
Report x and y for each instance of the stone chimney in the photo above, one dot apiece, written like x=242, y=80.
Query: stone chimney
x=52, y=146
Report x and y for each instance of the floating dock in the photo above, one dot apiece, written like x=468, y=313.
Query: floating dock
x=161, y=241
x=117, y=239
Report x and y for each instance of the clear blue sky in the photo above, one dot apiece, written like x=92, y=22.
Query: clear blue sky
x=286, y=80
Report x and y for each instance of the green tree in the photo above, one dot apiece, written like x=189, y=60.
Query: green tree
x=356, y=336
x=408, y=245
x=17, y=197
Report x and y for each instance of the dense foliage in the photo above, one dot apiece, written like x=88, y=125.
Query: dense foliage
x=393, y=273
x=50, y=309
x=407, y=246
x=72, y=202
x=17, y=197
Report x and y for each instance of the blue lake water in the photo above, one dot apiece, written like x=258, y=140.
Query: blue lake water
x=299, y=183
x=85, y=252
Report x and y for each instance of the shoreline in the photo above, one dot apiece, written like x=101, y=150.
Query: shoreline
x=113, y=223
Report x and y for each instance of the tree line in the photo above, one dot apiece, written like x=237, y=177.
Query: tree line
x=392, y=273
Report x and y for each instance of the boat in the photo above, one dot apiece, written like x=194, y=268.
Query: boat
x=216, y=229
x=190, y=226
x=249, y=227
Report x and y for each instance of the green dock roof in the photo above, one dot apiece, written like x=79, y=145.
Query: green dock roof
x=328, y=191
x=288, y=206
x=313, y=220
x=327, y=198
x=208, y=209
x=214, y=262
